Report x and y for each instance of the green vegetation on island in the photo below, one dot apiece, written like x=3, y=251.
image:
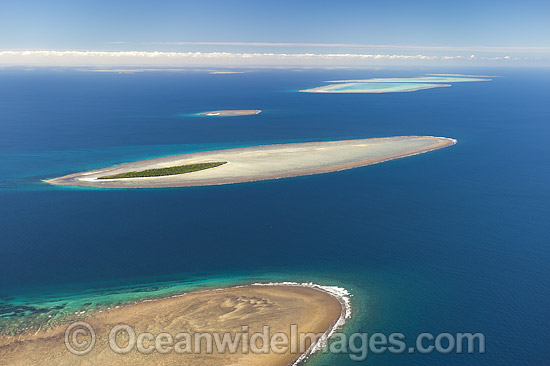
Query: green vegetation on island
x=173, y=170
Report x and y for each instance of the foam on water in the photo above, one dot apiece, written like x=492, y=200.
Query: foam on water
x=340, y=293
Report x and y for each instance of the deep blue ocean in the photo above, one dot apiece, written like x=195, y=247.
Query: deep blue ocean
x=455, y=240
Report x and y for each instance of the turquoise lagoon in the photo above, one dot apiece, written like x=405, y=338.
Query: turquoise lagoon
x=374, y=87
x=390, y=85
x=419, y=79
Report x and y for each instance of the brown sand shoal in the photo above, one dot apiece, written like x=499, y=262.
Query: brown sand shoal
x=224, y=310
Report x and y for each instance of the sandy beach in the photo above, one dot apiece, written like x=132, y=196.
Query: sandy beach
x=372, y=87
x=223, y=310
x=419, y=79
x=261, y=162
x=231, y=113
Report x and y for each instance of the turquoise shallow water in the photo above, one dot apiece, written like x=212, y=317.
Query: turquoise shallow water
x=49, y=306
x=392, y=87
x=421, y=79
x=450, y=241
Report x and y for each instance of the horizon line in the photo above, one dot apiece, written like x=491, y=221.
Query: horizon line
x=345, y=45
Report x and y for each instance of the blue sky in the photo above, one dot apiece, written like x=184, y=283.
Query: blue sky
x=483, y=28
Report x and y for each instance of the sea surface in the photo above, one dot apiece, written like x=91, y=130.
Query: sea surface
x=455, y=240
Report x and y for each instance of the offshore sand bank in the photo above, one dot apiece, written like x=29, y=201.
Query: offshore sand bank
x=372, y=87
x=231, y=113
x=419, y=79
x=261, y=162
x=309, y=307
x=392, y=85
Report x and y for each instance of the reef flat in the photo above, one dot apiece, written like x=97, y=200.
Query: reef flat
x=279, y=307
x=419, y=79
x=393, y=85
x=373, y=87
x=231, y=113
x=259, y=162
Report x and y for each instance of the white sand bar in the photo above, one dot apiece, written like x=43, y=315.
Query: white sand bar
x=261, y=162
x=373, y=87
x=419, y=79
x=232, y=112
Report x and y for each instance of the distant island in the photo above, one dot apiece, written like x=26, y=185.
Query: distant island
x=392, y=85
x=231, y=112
x=253, y=163
x=418, y=79
x=372, y=87
x=226, y=72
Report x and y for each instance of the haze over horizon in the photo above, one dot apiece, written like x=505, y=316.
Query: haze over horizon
x=285, y=33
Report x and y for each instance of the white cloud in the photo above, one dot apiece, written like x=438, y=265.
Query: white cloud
x=357, y=45
x=182, y=59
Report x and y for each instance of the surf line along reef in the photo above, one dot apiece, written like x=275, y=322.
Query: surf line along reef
x=308, y=307
x=253, y=163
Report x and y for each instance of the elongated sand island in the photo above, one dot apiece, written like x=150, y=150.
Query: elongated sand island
x=418, y=79
x=372, y=87
x=253, y=163
x=243, y=310
x=392, y=85
x=232, y=113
